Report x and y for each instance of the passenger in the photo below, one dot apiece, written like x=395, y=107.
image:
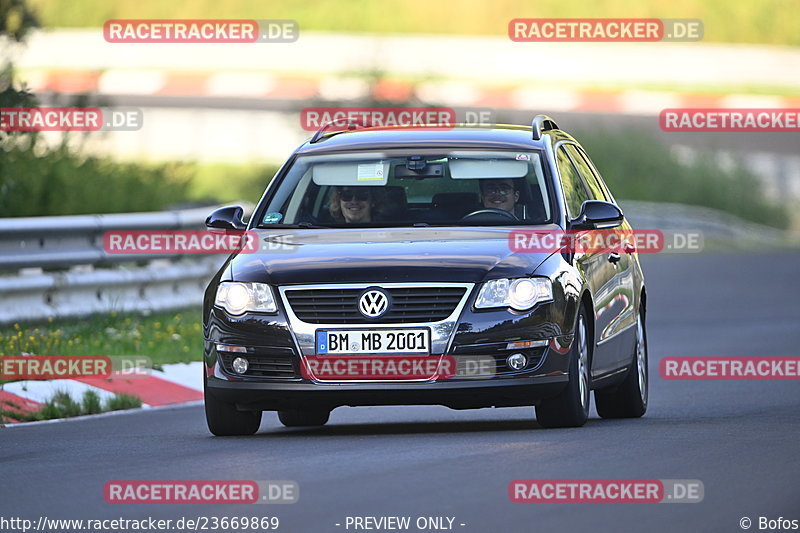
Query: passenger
x=354, y=205
x=499, y=194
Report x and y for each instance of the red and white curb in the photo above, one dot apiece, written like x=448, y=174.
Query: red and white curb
x=264, y=85
x=176, y=384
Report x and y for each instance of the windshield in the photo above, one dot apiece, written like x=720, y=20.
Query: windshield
x=381, y=189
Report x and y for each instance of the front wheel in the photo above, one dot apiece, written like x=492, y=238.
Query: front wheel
x=629, y=400
x=571, y=407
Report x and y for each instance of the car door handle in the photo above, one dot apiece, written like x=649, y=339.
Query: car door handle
x=613, y=257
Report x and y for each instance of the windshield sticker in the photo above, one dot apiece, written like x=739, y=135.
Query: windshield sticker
x=272, y=218
x=370, y=172
x=523, y=157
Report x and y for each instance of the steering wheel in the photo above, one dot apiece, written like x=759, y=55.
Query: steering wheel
x=489, y=213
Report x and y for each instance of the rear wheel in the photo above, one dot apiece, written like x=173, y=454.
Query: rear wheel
x=225, y=420
x=304, y=417
x=629, y=400
x=571, y=407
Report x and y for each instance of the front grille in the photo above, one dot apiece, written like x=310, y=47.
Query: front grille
x=410, y=305
x=261, y=365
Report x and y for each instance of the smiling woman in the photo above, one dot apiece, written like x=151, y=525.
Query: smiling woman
x=355, y=204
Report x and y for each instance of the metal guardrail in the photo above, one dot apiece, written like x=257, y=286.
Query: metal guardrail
x=57, y=267
x=64, y=241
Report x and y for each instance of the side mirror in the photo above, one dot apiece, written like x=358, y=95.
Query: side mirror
x=227, y=218
x=597, y=215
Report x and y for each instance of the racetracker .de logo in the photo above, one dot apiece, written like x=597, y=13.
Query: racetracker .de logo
x=70, y=119
x=730, y=368
x=600, y=241
x=396, y=367
x=730, y=120
x=73, y=366
x=200, y=31
x=604, y=30
x=177, y=242
x=200, y=492
x=313, y=118
x=606, y=491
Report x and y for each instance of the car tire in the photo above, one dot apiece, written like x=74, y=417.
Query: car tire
x=224, y=420
x=297, y=417
x=629, y=400
x=571, y=407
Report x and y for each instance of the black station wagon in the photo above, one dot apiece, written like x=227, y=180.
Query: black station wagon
x=387, y=272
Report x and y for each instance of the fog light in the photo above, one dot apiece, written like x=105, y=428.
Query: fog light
x=517, y=361
x=240, y=365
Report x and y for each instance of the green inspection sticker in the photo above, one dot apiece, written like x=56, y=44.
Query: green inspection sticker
x=272, y=218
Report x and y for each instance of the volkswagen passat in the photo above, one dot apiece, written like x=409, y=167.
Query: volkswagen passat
x=388, y=272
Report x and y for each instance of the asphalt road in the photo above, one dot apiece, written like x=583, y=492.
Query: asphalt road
x=740, y=438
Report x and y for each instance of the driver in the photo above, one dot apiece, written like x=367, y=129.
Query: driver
x=499, y=194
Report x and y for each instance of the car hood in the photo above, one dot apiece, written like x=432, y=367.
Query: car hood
x=382, y=255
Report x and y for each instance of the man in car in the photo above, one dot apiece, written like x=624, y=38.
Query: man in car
x=499, y=194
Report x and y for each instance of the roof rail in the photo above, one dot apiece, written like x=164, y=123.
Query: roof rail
x=349, y=124
x=540, y=124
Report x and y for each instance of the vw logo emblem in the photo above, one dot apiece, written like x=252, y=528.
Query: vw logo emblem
x=373, y=303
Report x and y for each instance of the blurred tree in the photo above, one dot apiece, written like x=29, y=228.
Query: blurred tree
x=16, y=20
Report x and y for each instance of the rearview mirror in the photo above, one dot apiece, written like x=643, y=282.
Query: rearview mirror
x=596, y=214
x=227, y=218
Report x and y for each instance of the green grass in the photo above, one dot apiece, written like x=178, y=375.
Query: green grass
x=735, y=21
x=637, y=166
x=241, y=182
x=164, y=337
x=37, y=181
x=62, y=405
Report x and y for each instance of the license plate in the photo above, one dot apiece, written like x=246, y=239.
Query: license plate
x=385, y=341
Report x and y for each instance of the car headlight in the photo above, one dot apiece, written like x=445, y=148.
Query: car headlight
x=237, y=298
x=520, y=294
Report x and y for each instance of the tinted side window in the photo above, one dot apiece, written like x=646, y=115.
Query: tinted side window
x=586, y=173
x=597, y=175
x=574, y=192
